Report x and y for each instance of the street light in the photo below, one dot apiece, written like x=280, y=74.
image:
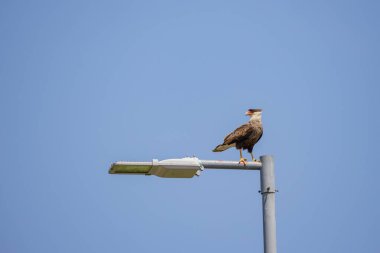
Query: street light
x=190, y=166
x=170, y=168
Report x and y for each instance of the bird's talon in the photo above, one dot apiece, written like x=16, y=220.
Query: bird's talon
x=243, y=161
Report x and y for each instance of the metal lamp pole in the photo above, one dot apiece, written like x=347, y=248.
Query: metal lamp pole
x=191, y=166
x=268, y=191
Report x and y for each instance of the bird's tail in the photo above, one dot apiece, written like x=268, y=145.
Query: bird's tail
x=221, y=147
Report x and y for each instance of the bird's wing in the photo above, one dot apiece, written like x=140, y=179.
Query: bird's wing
x=261, y=135
x=240, y=133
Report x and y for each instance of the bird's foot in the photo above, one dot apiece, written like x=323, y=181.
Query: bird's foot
x=255, y=160
x=243, y=161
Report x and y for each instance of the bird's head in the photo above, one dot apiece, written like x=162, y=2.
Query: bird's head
x=254, y=114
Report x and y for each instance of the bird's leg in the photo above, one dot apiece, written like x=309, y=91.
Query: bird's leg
x=253, y=159
x=242, y=159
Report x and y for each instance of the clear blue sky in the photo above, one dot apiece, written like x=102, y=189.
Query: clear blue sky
x=87, y=83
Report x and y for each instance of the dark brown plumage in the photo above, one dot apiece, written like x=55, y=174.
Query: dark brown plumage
x=246, y=136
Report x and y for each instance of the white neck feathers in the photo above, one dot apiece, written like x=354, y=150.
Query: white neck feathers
x=256, y=117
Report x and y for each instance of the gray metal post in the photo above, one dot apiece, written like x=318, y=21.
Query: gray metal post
x=268, y=190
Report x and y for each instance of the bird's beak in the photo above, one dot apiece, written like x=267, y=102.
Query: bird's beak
x=248, y=113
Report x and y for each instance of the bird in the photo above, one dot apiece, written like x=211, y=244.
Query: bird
x=245, y=136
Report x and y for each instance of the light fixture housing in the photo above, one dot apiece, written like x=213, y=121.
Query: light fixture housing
x=186, y=167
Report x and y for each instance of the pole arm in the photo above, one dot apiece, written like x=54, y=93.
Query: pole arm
x=230, y=165
x=178, y=168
